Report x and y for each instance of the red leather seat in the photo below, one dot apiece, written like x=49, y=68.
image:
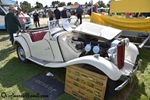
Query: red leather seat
x=36, y=36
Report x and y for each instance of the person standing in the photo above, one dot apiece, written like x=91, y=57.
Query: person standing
x=79, y=12
x=57, y=16
x=69, y=16
x=21, y=18
x=36, y=19
x=64, y=13
x=127, y=15
x=51, y=17
x=93, y=9
x=12, y=23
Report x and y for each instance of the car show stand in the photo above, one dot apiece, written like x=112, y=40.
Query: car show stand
x=84, y=84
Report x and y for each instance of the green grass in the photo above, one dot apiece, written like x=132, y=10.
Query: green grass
x=86, y=17
x=13, y=73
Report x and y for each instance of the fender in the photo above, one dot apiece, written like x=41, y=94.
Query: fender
x=102, y=64
x=131, y=52
x=24, y=44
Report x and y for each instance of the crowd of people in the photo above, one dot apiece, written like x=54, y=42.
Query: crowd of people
x=15, y=19
x=57, y=15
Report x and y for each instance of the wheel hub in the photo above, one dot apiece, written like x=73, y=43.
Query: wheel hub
x=21, y=53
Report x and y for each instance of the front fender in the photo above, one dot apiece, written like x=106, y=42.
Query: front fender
x=24, y=44
x=100, y=63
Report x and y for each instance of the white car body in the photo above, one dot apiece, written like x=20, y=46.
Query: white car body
x=58, y=48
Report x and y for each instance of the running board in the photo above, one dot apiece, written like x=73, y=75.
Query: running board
x=38, y=61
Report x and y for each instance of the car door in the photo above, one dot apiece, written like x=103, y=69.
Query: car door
x=42, y=50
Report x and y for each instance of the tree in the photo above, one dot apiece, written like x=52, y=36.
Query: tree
x=86, y=4
x=101, y=4
x=69, y=3
x=38, y=5
x=61, y=4
x=46, y=6
x=26, y=7
x=89, y=4
x=76, y=3
x=108, y=4
x=54, y=3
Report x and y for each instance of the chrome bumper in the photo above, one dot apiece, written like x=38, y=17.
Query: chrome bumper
x=130, y=78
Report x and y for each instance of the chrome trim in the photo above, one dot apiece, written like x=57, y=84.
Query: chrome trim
x=122, y=85
x=130, y=78
x=143, y=43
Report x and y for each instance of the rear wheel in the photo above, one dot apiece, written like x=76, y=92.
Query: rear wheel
x=21, y=53
x=111, y=85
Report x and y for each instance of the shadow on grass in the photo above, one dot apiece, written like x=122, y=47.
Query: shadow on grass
x=131, y=92
x=3, y=32
x=4, y=53
x=4, y=38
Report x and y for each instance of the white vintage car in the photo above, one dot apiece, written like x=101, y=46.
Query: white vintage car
x=98, y=48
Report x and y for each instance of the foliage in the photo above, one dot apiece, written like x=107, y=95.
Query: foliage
x=108, y=4
x=38, y=5
x=46, y=6
x=76, y=3
x=69, y=3
x=86, y=4
x=89, y=4
x=26, y=7
x=55, y=3
x=101, y=4
x=61, y=4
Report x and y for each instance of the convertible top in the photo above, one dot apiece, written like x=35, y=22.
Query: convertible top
x=106, y=32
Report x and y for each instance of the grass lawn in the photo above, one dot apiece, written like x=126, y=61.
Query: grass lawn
x=13, y=73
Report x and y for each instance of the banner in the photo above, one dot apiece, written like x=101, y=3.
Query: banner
x=131, y=24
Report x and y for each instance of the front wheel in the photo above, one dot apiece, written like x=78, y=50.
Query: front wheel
x=21, y=53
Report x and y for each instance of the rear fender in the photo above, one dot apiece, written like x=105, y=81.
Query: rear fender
x=100, y=63
x=24, y=45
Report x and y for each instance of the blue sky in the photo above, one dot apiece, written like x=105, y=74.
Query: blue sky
x=48, y=2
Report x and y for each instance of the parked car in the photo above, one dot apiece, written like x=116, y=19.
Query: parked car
x=4, y=10
x=98, y=48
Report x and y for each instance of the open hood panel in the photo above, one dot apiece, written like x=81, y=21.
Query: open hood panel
x=106, y=32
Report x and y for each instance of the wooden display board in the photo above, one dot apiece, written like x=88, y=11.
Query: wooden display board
x=84, y=84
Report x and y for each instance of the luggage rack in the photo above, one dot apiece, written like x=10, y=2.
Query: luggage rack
x=138, y=38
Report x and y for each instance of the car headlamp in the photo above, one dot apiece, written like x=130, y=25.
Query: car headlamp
x=96, y=49
x=88, y=47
